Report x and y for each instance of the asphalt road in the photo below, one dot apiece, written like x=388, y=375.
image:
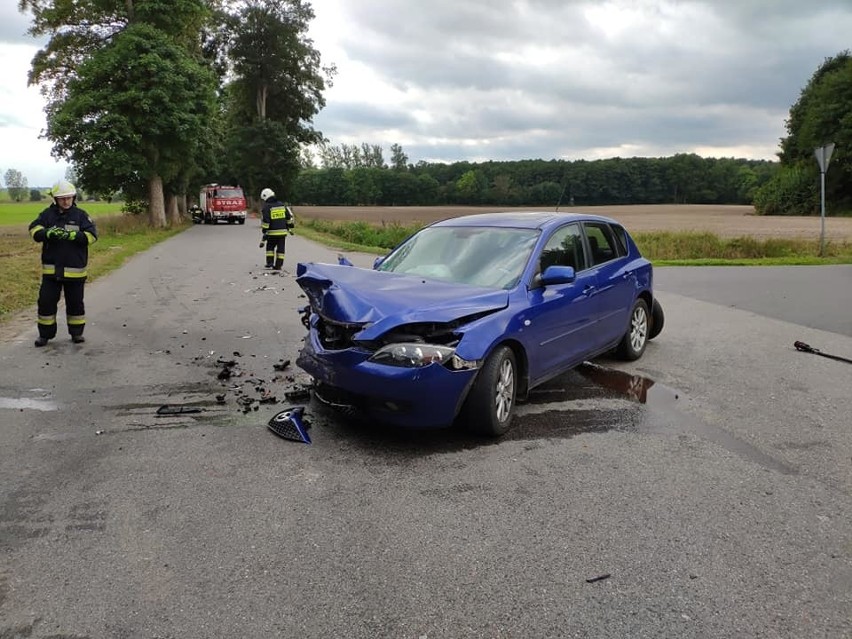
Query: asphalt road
x=703, y=491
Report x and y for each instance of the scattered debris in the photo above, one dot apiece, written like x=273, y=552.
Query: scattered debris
x=298, y=393
x=281, y=365
x=598, y=578
x=220, y=399
x=807, y=348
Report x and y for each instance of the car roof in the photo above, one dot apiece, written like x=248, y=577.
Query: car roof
x=521, y=219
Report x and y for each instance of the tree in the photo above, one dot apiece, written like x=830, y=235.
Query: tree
x=136, y=110
x=399, y=160
x=822, y=114
x=16, y=185
x=129, y=93
x=277, y=88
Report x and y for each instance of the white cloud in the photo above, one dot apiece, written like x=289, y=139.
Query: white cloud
x=471, y=79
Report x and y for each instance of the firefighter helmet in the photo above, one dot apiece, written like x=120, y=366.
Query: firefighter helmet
x=63, y=188
x=265, y=194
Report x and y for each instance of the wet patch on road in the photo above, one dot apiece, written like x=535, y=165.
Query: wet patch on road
x=32, y=399
x=589, y=399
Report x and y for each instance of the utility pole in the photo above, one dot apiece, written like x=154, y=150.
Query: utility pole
x=823, y=156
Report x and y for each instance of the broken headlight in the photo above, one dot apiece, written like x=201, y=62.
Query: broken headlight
x=415, y=355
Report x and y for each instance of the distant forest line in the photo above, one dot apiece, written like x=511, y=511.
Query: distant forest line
x=680, y=179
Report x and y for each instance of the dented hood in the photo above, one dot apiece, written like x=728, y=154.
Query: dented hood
x=385, y=300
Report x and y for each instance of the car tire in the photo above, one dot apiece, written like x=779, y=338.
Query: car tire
x=490, y=406
x=635, y=340
x=658, y=319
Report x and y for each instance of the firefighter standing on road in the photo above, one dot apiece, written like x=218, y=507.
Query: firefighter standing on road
x=276, y=223
x=65, y=232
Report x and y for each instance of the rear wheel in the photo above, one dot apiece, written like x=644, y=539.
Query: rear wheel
x=658, y=318
x=635, y=340
x=490, y=407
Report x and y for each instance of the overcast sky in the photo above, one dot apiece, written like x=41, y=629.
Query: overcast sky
x=552, y=79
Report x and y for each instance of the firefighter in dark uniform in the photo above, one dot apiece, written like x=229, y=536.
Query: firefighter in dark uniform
x=65, y=232
x=276, y=224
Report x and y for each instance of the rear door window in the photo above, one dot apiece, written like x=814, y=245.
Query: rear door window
x=603, y=245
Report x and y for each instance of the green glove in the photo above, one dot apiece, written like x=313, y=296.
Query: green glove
x=56, y=233
x=71, y=235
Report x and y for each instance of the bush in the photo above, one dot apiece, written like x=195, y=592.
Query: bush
x=791, y=191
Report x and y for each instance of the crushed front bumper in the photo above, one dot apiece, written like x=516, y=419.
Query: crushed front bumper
x=426, y=397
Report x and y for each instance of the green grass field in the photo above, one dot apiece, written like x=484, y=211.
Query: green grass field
x=17, y=213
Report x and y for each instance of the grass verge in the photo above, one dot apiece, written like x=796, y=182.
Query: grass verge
x=119, y=238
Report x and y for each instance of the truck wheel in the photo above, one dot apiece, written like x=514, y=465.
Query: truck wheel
x=241, y=220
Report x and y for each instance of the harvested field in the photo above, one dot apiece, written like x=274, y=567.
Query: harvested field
x=724, y=221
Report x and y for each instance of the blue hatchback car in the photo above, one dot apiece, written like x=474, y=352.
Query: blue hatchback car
x=464, y=317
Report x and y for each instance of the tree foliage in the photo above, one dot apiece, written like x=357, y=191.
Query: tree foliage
x=277, y=89
x=680, y=179
x=822, y=114
x=134, y=111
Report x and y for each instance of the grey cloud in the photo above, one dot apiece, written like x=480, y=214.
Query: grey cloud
x=687, y=74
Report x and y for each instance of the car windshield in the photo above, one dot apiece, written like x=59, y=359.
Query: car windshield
x=487, y=256
x=233, y=193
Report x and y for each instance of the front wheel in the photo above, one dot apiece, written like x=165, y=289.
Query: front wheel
x=635, y=340
x=490, y=407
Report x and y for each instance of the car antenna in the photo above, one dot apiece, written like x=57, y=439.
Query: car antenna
x=560, y=198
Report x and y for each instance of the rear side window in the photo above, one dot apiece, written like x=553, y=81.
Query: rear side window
x=621, y=238
x=603, y=244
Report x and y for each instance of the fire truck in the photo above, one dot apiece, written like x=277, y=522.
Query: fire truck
x=225, y=203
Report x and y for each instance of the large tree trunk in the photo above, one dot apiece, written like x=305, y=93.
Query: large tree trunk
x=260, y=101
x=172, y=209
x=156, y=203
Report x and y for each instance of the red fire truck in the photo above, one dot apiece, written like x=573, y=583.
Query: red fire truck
x=219, y=202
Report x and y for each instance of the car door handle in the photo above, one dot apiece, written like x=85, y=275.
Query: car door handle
x=628, y=274
x=589, y=290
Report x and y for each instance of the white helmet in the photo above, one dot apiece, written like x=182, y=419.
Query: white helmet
x=265, y=194
x=63, y=188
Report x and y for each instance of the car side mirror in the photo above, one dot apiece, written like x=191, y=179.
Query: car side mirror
x=378, y=261
x=558, y=275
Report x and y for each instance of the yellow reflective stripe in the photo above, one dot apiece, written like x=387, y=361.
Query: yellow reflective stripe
x=47, y=320
x=76, y=320
x=35, y=230
x=91, y=238
x=48, y=269
x=277, y=233
x=73, y=273
x=264, y=225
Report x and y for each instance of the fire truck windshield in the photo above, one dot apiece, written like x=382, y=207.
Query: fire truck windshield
x=229, y=193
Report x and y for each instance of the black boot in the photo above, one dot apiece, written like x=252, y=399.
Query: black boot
x=41, y=341
x=78, y=339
